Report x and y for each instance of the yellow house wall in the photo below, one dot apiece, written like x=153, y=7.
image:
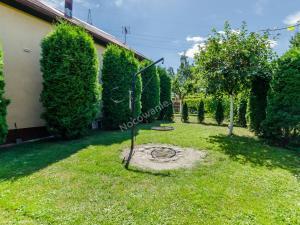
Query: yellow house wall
x=20, y=37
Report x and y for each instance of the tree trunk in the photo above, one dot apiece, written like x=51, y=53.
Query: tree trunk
x=230, y=127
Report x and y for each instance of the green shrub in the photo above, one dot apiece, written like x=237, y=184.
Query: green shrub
x=71, y=91
x=258, y=103
x=151, y=91
x=165, y=95
x=219, y=115
x=282, y=124
x=185, y=113
x=242, y=111
x=119, y=66
x=210, y=104
x=3, y=103
x=201, y=112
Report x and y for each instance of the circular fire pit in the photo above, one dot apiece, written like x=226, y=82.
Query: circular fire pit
x=163, y=128
x=164, y=157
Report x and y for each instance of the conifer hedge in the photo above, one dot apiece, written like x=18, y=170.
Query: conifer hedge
x=3, y=103
x=119, y=65
x=71, y=91
x=258, y=103
x=282, y=124
x=242, y=111
x=151, y=91
x=165, y=95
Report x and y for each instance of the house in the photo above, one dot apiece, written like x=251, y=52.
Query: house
x=23, y=25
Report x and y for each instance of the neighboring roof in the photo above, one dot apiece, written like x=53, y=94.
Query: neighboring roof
x=48, y=13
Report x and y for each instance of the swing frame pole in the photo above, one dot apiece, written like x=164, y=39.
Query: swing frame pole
x=133, y=97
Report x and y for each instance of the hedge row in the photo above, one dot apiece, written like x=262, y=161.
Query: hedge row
x=71, y=91
x=3, y=102
x=119, y=65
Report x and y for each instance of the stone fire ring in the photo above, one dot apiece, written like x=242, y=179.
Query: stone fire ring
x=164, y=157
x=163, y=128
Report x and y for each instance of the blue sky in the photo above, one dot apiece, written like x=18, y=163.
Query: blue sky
x=166, y=28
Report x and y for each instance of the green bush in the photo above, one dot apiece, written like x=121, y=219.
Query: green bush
x=151, y=92
x=185, y=113
x=282, y=124
x=201, y=112
x=119, y=66
x=210, y=104
x=71, y=91
x=258, y=103
x=219, y=115
x=165, y=95
x=3, y=103
x=242, y=111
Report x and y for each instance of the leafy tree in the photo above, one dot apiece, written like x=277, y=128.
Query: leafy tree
x=165, y=95
x=151, y=91
x=242, y=113
x=228, y=61
x=219, y=116
x=282, y=123
x=201, y=112
x=185, y=113
x=71, y=91
x=119, y=66
x=183, y=82
x=295, y=41
x=3, y=103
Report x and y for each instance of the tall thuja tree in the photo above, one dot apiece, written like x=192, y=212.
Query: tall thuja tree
x=242, y=111
x=165, y=95
x=119, y=66
x=219, y=114
x=150, y=92
x=228, y=61
x=71, y=91
x=3, y=102
x=282, y=123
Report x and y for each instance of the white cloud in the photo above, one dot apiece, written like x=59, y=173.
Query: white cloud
x=292, y=19
x=196, y=39
x=193, y=50
x=273, y=43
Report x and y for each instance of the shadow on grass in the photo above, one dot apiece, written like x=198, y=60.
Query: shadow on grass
x=159, y=174
x=250, y=150
x=25, y=159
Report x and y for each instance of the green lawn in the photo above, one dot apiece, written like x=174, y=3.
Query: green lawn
x=242, y=181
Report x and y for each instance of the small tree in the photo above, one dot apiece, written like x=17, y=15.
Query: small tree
x=282, y=123
x=71, y=91
x=3, y=103
x=219, y=116
x=151, y=92
x=119, y=66
x=165, y=95
x=201, y=112
x=185, y=113
x=242, y=113
x=228, y=61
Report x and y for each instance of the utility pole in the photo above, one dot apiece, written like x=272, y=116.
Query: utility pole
x=132, y=107
x=89, y=18
x=125, y=31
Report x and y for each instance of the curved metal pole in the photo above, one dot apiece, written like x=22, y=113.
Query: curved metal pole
x=133, y=109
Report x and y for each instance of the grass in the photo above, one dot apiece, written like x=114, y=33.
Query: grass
x=242, y=181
